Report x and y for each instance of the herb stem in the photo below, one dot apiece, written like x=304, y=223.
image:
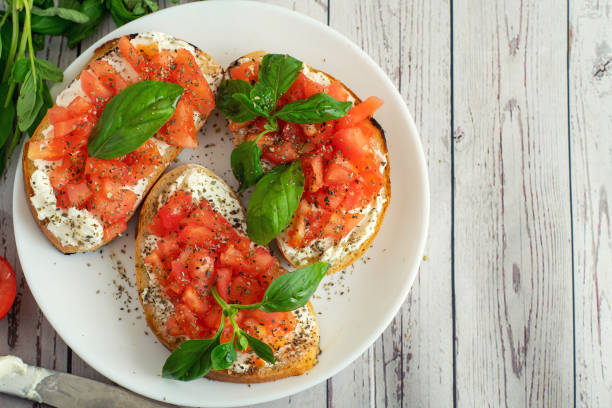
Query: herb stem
x=13, y=47
x=219, y=300
x=27, y=29
x=25, y=35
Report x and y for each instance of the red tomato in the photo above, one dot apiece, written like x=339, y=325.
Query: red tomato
x=232, y=257
x=95, y=90
x=337, y=91
x=196, y=236
x=62, y=174
x=135, y=58
x=111, y=231
x=187, y=74
x=142, y=161
x=112, y=202
x=259, y=261
x=249, y=71
x=335, y=173
x=171, y=213
x=112, y=169
x=224, y=277
x=313, y=172
x=108, y=76
x=8, y=287
x=353, y=144
x=360, y=112
x=74, y=195
x=282, y=148
x=197, y=303
x=244, y=290
x=311, y=87
x=58, y=114
x=77, y=128
x=200, y=264
x=298, y=226
x=161, y=65
x=81, y=106
x=340, y=225
x=180, y=129
x=330, y=197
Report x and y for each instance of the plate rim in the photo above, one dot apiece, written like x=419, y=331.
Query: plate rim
x=413, y=266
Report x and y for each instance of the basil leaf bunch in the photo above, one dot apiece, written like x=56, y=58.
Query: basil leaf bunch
x=195, y=358
x=132, y=117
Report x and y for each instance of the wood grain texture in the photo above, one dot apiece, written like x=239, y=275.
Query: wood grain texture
x=513, y=288
x=590, y=80
x=426, y=318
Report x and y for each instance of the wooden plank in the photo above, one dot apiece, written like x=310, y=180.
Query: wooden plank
x=513, y=287
x=590, y=81
x=28, y=334
x=426, y=331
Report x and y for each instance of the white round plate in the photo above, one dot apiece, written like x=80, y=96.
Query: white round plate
x=91, y=299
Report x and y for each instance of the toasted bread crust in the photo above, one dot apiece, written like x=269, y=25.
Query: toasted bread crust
x=28, y=165
x=294, y=364
x=381, y=144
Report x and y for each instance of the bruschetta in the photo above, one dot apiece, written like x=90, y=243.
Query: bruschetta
x=191, y=238
x=345, y=164
x=80, y=202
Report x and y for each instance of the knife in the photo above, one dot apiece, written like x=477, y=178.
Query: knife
x=64, y=390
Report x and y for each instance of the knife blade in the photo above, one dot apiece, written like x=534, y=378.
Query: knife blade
x=64, y=390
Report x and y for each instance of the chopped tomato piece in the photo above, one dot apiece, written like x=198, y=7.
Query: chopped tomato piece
x=337, y=91
x=112, y=202
x=108, y=76
x=81, y=106
x=311, y=87
x=112, y=169
x=337, y=174
x=187, y=73
x=360, y=112
x=197, y=303
x=353, y=144
x=330, y=197
x=298, y=227
x=162, y=63
x=76, y=195
x=171, y=213
x=62, y=174
x=142, y=161
x=232, y=257
x=248, y=71
x=313, y=172
x=259, y=261
x=179, y=276
x=58, y=114
x=95, y=90
x=224, y=277
x=200, y=264
x=197, y=236
x=244, y=290
x=180, y=129
x=135, y=58
x=111, y=231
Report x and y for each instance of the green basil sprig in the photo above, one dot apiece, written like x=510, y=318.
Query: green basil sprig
x=64, y=13
x=274, y=200
x=278, y=72
x=318, y=108
x=232, y=108
x=246, y=164
x=132, y=117
x=195, y=358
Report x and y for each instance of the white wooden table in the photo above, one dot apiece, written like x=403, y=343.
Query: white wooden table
x=513, y=302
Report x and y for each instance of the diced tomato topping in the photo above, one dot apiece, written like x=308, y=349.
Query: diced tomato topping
x=232, y=257
x=197, y=303
x=111, y=201
x=360, y=112
x=353, y=144
x=95, y=90
x=313, y=171
x=337, y=91
x=248, y=71
x=75, y=195
x=81, y=106
x=135, y=58
x=224, y=277
x=58, y=114
x=311, y=87
x=244, y=290
x=112, y=230
x=161, y=65
x=108, y=76
x=187, y=73
x=171, y=213
x=180, y=129
x=335, y=173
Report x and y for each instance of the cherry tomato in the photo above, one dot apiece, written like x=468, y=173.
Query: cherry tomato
x=8, y=287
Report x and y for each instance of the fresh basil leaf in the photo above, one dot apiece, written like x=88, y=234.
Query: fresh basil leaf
x=190, y=360
x=28, y=103
x=261, y=349
x=47, y=102
x=230, y=107
x=241, y=341
x=274, y=200
x=48, y=71
x=292, y=290
x=124, y=11
x=69, y=4
x=248, y=105
x=246, y=164
x=67, y=14
x=278, y=72
x=318, y=108
x=7, y=116
x=52, y=25
x=38, y=41
x=5, y=37
x=223, y=356
x=263, y=96
x=95, y=10
x=20, y=69
x=132, y=117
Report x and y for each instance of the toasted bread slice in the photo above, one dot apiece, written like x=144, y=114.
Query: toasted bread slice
x=109, y=50
x=342, y=254
x=300, y=352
